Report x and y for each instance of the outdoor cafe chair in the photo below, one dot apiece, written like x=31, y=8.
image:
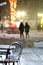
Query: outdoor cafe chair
x=15, y=51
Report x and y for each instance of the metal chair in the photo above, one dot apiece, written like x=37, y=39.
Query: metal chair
x=15, y=51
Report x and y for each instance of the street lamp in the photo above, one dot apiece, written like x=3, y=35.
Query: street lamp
x=40, y=14
x=21, y=14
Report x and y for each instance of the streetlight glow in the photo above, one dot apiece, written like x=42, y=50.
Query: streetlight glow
x=20, y=14
x=40, y=14
x=23, y=13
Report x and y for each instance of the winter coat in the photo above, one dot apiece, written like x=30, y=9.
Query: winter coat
x=21, y=27
x=27, y=27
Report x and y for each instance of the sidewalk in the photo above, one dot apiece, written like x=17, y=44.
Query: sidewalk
x=34, y=36
x=32, y=56
x=36, y=32
x=33, y=33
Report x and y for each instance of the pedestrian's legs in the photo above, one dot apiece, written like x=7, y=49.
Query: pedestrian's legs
x=20, y=35
x=26, y=35
x=23, y=35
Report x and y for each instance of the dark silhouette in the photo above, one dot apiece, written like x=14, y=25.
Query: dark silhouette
x=1, y=28
x=7, y=53
x=21, y=29
x=27, y=27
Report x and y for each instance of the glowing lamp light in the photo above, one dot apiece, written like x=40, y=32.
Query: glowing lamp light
x=40, y=14
x=20, y=14
x=41, y=22
x=23, y=13
x=41, y=26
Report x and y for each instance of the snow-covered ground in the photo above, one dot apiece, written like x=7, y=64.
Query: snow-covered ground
x=31, y=56
x=5, y=35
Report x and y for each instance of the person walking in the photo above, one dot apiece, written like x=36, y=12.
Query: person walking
x=21, y=29
x=27, y=27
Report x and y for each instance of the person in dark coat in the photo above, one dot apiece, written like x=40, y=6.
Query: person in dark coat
x=1, y=27
x=21, y=29
x=27, y=27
